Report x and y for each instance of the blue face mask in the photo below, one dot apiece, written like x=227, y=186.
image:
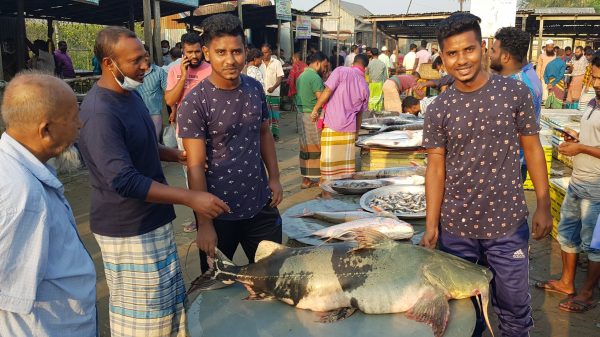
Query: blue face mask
x=129, y=83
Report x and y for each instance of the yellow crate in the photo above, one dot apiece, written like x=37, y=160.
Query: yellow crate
x=528, y=184
x=558, y=192
x=379, y=159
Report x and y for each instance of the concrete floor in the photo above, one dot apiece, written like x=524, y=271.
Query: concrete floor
x=545, y=260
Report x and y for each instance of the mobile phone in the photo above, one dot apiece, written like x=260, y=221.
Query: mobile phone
x=567, y=133
x=184, y=58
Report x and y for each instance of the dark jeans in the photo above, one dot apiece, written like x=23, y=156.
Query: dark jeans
x=508, y=259
x=266, y=225
x=523, y=172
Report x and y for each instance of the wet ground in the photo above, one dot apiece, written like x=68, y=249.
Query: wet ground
x=545, y=259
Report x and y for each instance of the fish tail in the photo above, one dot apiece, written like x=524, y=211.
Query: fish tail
x=483, y=303
x=222, y=268
x=305, y=214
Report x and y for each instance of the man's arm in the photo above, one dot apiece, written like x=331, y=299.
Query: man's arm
x=536, y=165
x=322, y=99
x=435, y=177
x=173, y=95
x=171, y=155
x=276, y=85
x=269, y=157
x=206, y=237
x=573, y=149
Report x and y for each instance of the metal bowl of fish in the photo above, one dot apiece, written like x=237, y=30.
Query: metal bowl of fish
x=406, y=201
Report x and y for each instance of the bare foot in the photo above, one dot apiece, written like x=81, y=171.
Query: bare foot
x=555, y=286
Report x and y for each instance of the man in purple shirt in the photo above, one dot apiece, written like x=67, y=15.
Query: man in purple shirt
x=64, y=65
x=347, y=96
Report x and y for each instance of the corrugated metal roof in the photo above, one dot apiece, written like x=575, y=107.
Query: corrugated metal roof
x=565, y=10
x=356, y=10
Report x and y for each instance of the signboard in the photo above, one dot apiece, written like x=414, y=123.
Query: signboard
x=191, y=3
x=283, y=10
x=303, y=27
x=494, y=15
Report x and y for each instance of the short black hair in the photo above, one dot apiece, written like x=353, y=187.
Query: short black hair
x=266, y=45
x=220, y=25
x=409, y=101
x=424, y=43
x=163, y=41
x=191, y=38
x=514, y=41
x=354, y=47
x=578, y=47
x=253, y=54
x=413, y=46
x=588, y=51
x=61, y=43
x=41, y=45
x=596, y=59
x=569, y=47
x=107, y=38
x=437, y=63
x=175, y=52
x=363, y=59
x=316, y=57
x=374, y=51
x=458, y=23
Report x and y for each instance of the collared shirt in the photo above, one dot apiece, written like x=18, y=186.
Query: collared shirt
x=255, y=73
x=230, y=122
x=271, y=72
x=349, y=98
x=483, y=195
x=153, y=89
x=585, y=180
x=423, y=56
x=194, y=76
x=579, y=66
x=377, y=71
x=64, y=65
x=409, y=61
x=308, y=84
x=47, y=278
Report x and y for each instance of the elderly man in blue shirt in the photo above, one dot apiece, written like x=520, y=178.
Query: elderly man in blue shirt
x=47, y=278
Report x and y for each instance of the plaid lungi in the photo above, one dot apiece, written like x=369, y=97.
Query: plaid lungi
x=310, y=146
x=337, y=154
x=146, y=287
x=275, y=114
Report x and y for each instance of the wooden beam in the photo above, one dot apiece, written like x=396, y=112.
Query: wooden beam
x=240, y=14
x=156, y=33
x=523, y=23
x=21, y=48
x=279, y=39
x=374, y=41
x=540, y=36
x=321, y=34
x=147, y=7
x=570, y=18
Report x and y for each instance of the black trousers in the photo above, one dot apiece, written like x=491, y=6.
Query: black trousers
x=266, y=225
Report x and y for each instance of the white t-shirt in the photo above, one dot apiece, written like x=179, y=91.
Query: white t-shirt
x=385, y=59
x=409, y=60
x=270, y=75
x=393, y=60
x=349, y=60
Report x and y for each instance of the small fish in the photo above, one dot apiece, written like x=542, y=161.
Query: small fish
x=356, y=186
x=404, y=202
x=393, y=228
x=402, y=171
x=339, y=217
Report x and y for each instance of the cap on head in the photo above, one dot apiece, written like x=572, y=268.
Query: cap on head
x=384, y=48
x=549, y=41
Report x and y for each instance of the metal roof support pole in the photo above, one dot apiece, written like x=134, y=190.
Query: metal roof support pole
x=49, y=23
x=321, y=34
x=156, y=33
x=279, y=39
x=540, y=36
x=337, y=38
x=147, y=8
x=374, y=41
x=531, y=47
x=240, y=14
x=291, y=41
x=20, y=35
x=304, y=49
x=524, y=23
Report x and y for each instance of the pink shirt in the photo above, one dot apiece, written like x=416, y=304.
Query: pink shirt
x=194, y=76
x=423, y=56
x=349, y=98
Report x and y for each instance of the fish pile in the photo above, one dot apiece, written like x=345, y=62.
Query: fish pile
x=393, y=228
x=402, y=171
x=377, y=123
x=375, y=275
x=394, y=139
x=403, y=202
x=418, y=125
x=361, y=186
x=340, y=217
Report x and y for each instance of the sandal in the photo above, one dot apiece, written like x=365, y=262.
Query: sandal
x=190, y=228
x=550, y=287
x=576, y=306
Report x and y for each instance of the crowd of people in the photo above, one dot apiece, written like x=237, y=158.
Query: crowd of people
x=44, y=58
x=481, y=135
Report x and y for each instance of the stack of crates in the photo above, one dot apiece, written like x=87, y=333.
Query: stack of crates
x=558, y=191
x=377, y=159
x=546, y=140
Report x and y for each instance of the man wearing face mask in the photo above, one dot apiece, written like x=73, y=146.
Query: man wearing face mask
x=165, y=47
x=131, y=208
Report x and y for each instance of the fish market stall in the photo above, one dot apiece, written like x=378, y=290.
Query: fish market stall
x=224, y=313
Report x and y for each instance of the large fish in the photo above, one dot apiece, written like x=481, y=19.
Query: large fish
x=393, y=228
x=353, y=186
x=394, y=139
x=410, y=126
x=402, y=171
x=339, y=217
x=375, y=123
x=376, y=275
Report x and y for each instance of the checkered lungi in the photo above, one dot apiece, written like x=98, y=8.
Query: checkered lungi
x=147, y=291
x=337, y=154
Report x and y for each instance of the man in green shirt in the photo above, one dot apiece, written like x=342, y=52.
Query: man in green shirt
x=309, y=86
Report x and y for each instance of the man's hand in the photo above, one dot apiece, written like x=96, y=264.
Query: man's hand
x=182, y=158
x=277, y=191
x=207, y=205
x=172, y=117
x=430, y=238
x=206, y=237
x=541, y=224
x=314, y=116
x=569, y=149
x=270, y=90
x=185, y=63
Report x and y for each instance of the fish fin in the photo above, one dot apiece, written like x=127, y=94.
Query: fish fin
x=305, y=214
x=256, y=296
x=267, y=248
x=221, y=268
x=336, y=315
x=369, y=238
x=432, y=309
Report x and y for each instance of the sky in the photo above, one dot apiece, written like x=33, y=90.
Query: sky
x=384, y=7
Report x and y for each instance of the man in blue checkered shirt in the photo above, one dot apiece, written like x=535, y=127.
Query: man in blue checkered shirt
x=153, y=92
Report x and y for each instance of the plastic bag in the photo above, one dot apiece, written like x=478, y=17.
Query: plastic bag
x=169, y=138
